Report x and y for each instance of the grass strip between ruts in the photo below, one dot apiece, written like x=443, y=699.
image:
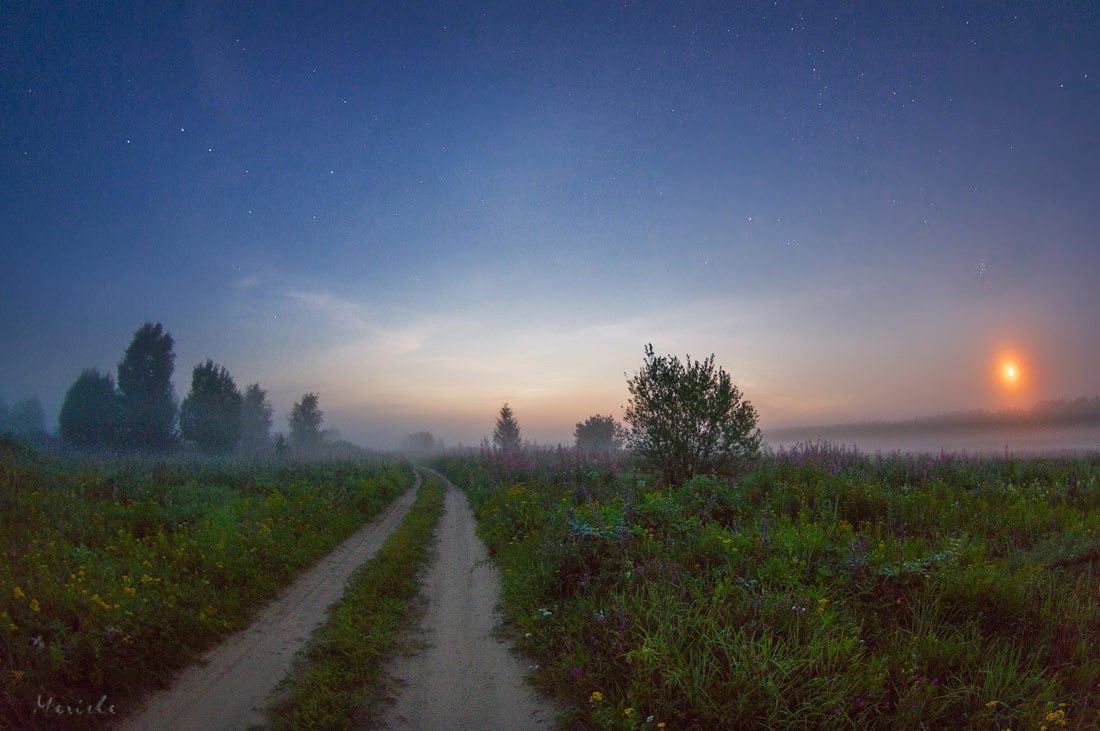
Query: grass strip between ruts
x=339, y=685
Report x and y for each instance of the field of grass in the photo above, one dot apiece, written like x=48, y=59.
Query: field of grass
x=819, y=588
x=114, y=575
x=340, y=684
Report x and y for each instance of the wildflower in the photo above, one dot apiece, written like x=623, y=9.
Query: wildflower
x=1056, y=718
x=991, y=704
x=628, y=712
x=18, y=593
x=596, y=697
x=649, y=719
x=34, y=606
x=661, y=724
x=17, y=674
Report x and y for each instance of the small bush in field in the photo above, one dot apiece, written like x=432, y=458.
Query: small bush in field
x=688, y=418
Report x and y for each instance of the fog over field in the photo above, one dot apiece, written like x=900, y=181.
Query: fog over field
x=1015, y=440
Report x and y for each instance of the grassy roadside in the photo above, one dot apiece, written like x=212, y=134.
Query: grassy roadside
x=115, y=575
x=338, y=686
x=821, y=589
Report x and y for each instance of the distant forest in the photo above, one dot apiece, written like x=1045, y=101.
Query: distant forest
x=139, y=411
x=1081, y=410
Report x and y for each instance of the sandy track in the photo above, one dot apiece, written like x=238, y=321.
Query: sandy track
x=467, y=678
x=229, y=687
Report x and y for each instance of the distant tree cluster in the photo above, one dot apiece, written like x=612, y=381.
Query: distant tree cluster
x=599, y=434
x=685, y=419
x=421, y=444
x=23, y=417
x=140, y=410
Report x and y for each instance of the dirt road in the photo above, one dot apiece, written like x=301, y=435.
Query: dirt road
x=228, y=688
x=467, y=678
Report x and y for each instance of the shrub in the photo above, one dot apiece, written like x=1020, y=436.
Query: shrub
x=688, y=418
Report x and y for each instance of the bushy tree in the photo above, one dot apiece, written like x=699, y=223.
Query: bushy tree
x=688, y=418
x=506, y=433
x=599, y=434
x=255, y=420
x=305, y=424
x=89, y=415
x=210, y=416
x=147, y=400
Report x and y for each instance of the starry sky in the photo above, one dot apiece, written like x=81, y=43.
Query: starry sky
x=423, y=210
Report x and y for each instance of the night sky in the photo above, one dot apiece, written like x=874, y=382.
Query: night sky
x=423, y=210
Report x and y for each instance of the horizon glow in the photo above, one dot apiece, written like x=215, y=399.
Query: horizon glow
x=421, y=213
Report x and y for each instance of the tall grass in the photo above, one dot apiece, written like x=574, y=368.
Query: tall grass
x=116, y=575
x=818, y=588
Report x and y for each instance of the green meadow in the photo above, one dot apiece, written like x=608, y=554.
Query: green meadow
x=815, y=588
x=118, y=573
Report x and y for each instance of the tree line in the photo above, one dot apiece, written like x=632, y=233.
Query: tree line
x=140, y=411
x=683, y=419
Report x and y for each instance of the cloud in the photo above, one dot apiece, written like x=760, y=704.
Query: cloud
x=359, y=323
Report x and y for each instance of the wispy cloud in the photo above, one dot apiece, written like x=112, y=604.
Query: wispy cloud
x=358, y=321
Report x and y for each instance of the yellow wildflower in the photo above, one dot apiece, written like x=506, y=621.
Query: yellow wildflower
x=628, y=712
x=17, y=674
x=18, y=593
x=34, y=606
x=991, y=704
x=1056, y=718
x=596, y=697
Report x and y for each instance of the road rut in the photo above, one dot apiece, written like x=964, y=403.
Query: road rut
x=229, y=688
x=467, y=677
